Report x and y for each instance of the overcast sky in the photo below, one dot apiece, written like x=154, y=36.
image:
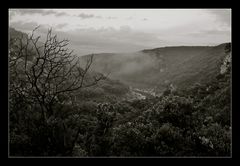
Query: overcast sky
x=127, y=30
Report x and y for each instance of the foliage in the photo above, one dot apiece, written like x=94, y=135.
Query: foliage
x=42, y=86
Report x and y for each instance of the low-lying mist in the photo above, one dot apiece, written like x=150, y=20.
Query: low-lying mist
x=121, y=64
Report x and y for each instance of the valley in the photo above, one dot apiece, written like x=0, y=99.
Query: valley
x=169, y=101
x=156, y=69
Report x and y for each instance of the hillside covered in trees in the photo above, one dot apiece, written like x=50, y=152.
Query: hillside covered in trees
x=61, y=108
x=157, y=68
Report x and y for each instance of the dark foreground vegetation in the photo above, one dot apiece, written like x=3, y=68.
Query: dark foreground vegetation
x=48, y=118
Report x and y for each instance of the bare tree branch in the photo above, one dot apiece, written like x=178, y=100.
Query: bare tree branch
x=53, y=70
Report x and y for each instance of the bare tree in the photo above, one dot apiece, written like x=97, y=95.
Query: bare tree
x=44, y=72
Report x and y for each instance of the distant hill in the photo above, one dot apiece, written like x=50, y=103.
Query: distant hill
x=13, y=33
x=158, y=68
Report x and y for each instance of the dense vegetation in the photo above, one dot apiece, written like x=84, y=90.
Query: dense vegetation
x=194, y=121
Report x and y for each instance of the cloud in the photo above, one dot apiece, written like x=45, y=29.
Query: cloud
x=38, y=11
x=198, y=37
x=61, y=14
x=11, y=14
x=222, y=15
x=110, y=17
x=29, y=26
x=210, y=33
x=85, y=16
x=201, y=28
x=88, y=16
x=129, y=18
x=60, y=26
x=25, y=26
x=90, y=40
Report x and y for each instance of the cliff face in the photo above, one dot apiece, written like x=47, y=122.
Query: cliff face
x=226, y=63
